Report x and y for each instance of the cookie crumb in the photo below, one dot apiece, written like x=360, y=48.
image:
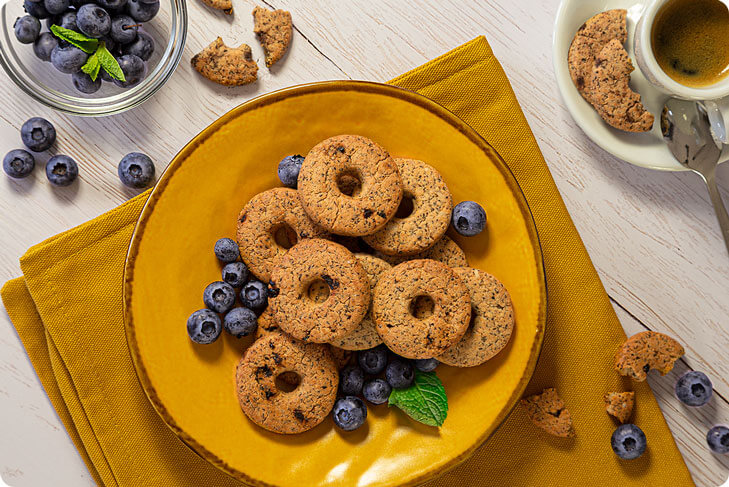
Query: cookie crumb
x=274, y=30
x=620, y=405
x=548, y=411
x=228, y=66
x=645, y=351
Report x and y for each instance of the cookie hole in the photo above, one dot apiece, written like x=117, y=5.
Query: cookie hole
x=349, y=184
x=284, y=236
x=318, y=291
x=287, y=381
x=422, y=307
x=406, y=206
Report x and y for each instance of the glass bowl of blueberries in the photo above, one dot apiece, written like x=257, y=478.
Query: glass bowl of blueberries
x=92, y=57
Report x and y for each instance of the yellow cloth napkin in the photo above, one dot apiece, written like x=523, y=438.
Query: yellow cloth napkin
x=68, y=312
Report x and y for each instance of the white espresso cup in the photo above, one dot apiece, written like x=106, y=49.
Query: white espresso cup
x=711, y=95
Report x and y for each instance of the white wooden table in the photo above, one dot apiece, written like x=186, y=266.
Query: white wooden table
x=652, y=236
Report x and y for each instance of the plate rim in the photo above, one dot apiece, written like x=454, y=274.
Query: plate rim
x=273, y=97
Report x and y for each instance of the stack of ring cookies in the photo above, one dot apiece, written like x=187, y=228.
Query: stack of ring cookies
x=356, y=256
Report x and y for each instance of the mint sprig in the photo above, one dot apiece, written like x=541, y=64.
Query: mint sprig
x=425, y=400
x=100, y=55
x=92, y=67
x=109, y=63
x=86, y=44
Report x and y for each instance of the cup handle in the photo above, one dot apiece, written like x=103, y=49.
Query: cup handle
x=718, y=112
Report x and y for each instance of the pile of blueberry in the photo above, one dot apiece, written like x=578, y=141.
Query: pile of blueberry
x=136, y=170
x=116, y=23
x=205, y=325
x=376, y=373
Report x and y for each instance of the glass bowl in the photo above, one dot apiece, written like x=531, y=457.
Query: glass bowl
x=43, y=82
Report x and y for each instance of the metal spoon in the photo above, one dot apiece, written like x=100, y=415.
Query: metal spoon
x=687, y=131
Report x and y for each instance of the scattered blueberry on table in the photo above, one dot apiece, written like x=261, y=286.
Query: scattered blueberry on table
x=349, y=413
x=399, y=374
x=254, y=295
x=377, y=391
x=136, y=170
x=235, y=274
x=38, y=134
x=426, y=364
x=374, y=360
x=628, y=441
x=219, y=296
x=226, y=250
x=718, y=439
x=468, y=218
x=351, y=380
x=204, y=326
x=240, y=322
x=61, y=170
x=18, y=163
x=288, y=170
x=694, y=388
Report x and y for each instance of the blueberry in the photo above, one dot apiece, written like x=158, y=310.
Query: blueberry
x=377, y=391
x=426, y=364
x=219, y=296
x=374, y=360
x=136, y=170
x=254, y=295
x=349, y=413
x=61, y=170
x=133, y=68
x=204, y=326
x=142, y=12
x=27, y=29
x=235, y=274
x=68, y=20
x=36, y=9
x=93, y=20
x=693, y=388
x=56, y=7
x=18, y=163
x=105, y=76
x=288, y=170
x=44, y=45
x=112, y=4
x=123, y=29
x=351, y=380
x=240, y=322
x=68, y=59
x=226, y=250
x=399, y=374
x=83, y=82
x=38, y=134
x=468, y=218
x=628, y=441
x=142, y=47
x=718, y=439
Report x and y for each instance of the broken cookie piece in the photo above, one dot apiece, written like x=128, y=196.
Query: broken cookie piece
x=645, y=351
x=620, y=405
x=229, y=66
x=547, y=410
x=610, y=92
x=224, y=5
x=274, y=30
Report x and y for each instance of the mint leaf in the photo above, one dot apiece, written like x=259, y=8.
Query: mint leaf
x=424, y=401
x=109, y=63
x=86, y=44
x=92, y=67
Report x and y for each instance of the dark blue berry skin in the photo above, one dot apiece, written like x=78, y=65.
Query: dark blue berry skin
x=628, y=441
x=226, y=250
x=718, y=439
x=36, y=9
x=109, y=5
x=240, y=322
x=142, y=47
x=377, y=391
x=68, y=20
x=136, y=170
x=468, y=218
x=133, y=68
x=219, y=297
x=83, y=83
x=694, y=389
x=38, y=134
x=426, y=364
x=61, y=170
x=68, y=59
x=204, y=326
x=374, y=360
x=235, y=274
x=399, y=374
x=349, y=413
x=93, y=20
x=351, y=380
x=18, y=163
x=254, y=295
x=44, y=45
x=123, y=29
x=288, y=170
x=56, y=7
x=142, y=12
x=27, y=29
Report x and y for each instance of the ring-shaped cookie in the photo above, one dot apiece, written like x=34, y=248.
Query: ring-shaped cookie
x=445, y=250
x=270, y=406
x=395, y=296
x=320, y=185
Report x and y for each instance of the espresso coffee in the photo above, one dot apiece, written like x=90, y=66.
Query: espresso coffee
x=690, y=39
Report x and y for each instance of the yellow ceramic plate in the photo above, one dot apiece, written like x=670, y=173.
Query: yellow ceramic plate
x=197, y=201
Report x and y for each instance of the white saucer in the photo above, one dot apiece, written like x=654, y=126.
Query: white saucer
x=646, y=149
